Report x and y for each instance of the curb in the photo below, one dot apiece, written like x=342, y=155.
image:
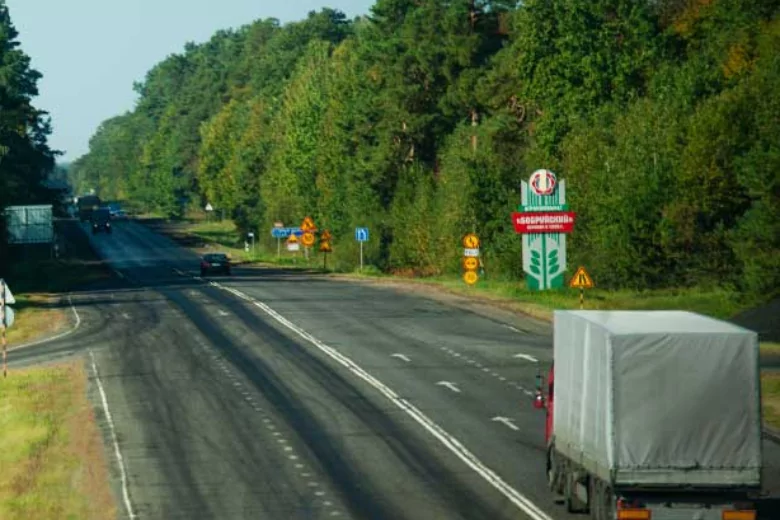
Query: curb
x=773, y=434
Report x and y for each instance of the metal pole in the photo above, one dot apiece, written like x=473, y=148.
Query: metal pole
x=361, y=256
x=279, y=248
x=2, y=327
x=582, y=298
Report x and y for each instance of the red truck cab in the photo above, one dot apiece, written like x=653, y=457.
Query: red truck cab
x=545, y=399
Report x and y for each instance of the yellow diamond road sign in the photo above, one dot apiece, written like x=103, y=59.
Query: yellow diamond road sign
x=581, y=279
x=308, y=225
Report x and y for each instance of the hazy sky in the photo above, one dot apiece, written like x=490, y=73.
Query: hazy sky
x=91, y=51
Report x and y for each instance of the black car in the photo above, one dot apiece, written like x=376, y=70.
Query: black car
x=101, y=220
x=214, y=263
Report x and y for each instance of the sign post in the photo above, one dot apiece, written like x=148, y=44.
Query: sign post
x=308, y=228
x=252, y=236
x=470, y=258
x=544, y=220
x=278, y=225
x=361, y=235
x=581, y=280
x=325, y=248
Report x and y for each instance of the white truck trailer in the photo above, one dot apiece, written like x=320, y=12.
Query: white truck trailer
x=654, y=415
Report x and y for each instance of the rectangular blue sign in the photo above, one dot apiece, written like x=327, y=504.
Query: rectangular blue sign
x=286, y=232
x=361, y=234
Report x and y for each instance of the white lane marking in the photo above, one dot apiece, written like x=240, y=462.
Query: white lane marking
x=118, y=273
x=528, y=393
x=527, y=357
x=58, y=336
x=223, y=313
x=178, y=271
x=402, y=357
x=506, y=421
x=126, y=316
x=450, y=442
x=110, y=420
x=450, y=385
x=513, y=329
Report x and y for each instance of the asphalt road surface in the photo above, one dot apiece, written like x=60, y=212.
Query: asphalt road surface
x=278, y=395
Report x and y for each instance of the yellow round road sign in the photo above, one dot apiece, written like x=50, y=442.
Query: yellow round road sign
x=470, y=277
x=471, y=241
x=308, y=239
x=470, y=263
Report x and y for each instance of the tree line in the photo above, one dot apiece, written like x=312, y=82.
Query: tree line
x=421, y=119
x=25, y=157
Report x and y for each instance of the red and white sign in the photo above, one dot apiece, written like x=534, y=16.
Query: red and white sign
x=544, y=222
x=543, y=182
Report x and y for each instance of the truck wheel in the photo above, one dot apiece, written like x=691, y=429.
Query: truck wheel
x=573, y=504
x=607, y=503
x=554, y=473
x=595, y=499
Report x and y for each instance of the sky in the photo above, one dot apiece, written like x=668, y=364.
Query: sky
x=91, y=51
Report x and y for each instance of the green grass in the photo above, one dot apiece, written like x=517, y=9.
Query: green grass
x=51, y=458
x=772, y=349
x=770, y=395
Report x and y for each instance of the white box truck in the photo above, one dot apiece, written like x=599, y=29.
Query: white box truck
x=653, y=415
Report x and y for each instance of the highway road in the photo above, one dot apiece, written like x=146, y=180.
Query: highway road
x=271, y=394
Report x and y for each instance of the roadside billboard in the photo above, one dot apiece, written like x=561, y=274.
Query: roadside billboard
x=29, y=224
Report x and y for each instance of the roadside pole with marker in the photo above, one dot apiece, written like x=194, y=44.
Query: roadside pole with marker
x=581, y=280
x=6, y=319
x=325, y=248
x=470, y=258
x=361, y=235
x=277, y=226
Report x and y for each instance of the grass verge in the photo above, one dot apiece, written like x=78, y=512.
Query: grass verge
x=52, y=456
x=770, y=397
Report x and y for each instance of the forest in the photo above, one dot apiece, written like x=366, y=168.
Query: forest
x=25, y=157
x=421, y=119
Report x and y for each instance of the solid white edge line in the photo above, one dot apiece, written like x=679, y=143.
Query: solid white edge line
x=450, y=442
x=117, y=452
x=58, y=336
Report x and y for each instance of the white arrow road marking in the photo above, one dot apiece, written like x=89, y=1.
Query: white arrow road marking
x=527, y=357
x=506, y=421
x=402, y=357
x=449, y=385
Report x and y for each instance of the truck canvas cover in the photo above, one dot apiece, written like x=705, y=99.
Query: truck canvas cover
x=658, y=398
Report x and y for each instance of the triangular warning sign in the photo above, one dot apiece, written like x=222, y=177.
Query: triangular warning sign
x=292, y=239
x=9, y=297
x=581, y=279
x=308, y=225
x=326, y=235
